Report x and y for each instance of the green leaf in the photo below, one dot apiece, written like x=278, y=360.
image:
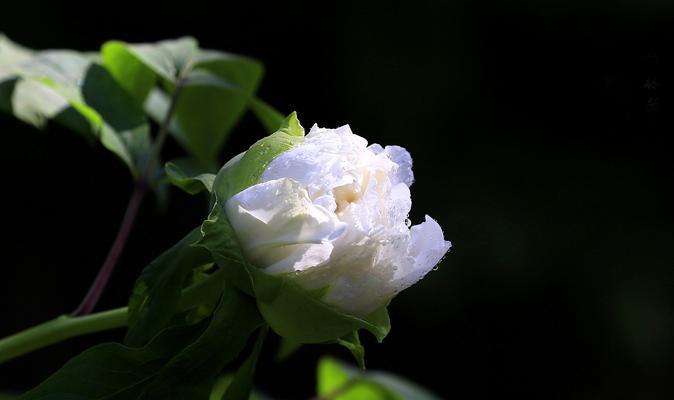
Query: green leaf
x=286, y=349
x=71, y=89
x=131, y=73
x=331, y=376
x=180, y=362
x=403, y=387
x=216, y=88
x=35, y=103
x=121, y=117
x=267, y=115
x=339, y=381
x=156, y=294
x=242, y=384
x=189, y=176
x=233, y=321
x=214, y=96
x=11, y=52
x=167, y=59
x=113, y=371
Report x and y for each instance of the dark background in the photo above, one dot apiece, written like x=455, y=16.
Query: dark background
x=541, y=138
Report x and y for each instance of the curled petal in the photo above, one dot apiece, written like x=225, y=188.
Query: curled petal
x=280, y=228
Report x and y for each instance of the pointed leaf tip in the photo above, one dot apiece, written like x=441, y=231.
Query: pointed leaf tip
x=291, y=125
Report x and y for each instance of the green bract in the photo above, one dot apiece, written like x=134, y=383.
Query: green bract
x=290, y=310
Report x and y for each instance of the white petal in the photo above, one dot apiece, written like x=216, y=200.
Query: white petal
x=426, y=248
x=278, y=225
x=403, y=160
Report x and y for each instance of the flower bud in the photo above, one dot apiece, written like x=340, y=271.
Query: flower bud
x=330, y=213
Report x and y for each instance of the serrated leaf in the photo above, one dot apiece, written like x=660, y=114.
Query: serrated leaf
x=157, y=291
x=189, y=176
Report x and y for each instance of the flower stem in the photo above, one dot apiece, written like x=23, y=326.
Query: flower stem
x=98, y=286
x=59, y=329
x=68, y=326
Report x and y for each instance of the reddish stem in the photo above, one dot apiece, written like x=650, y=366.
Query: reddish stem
x=94, y=294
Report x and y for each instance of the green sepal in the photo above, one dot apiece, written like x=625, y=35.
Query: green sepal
x=352, y=343
x=247, y=170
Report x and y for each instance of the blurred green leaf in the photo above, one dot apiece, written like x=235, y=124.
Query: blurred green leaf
x=167, y=59
x=286, y=349
x=338, y=381
x=105, y=101
x=241, y=386
x=214, y=97
x=331, y=376
x=11, y=52
x=216, y=88
x=131, y=73
x=189, y=176
x=267, y=115
x=73, y=90
x=403, y=387
x=157, y=291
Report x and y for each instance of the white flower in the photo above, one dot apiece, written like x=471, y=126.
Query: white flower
x=332, y=213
